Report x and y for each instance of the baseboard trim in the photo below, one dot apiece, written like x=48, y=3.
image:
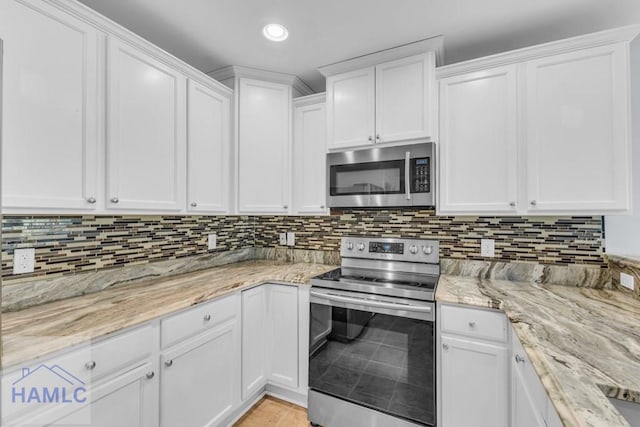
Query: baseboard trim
x=243, y=408
x=283, y=393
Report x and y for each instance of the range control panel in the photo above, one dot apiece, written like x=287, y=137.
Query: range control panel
x=415, y=250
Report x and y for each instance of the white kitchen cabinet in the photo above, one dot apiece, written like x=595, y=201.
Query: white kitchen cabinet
x=309, y=155
x=51, y=126
x=392, y=101
x=282, y=320
x=198, y=383
x=208, y=148
x=474, y=377
x=545, y=134
x=473, y=367
x=578, y=130
x=146, y=131
x=264, y=140
x=478, y=141
x=405, y=99
x=254, y=340
x=524, y=413
x=351, y=109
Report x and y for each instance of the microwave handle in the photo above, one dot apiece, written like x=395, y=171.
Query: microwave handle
x=407, y=174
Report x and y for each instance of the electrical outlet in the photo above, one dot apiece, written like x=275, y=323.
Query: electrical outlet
x=24, y=260
x=627, y=280
x=291, y=239
x=213, y=241
x=283, y=239
x=488, y=247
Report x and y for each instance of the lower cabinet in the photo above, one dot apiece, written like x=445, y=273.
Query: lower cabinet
x=474, y=370
x=273, y=351
x=198, y=381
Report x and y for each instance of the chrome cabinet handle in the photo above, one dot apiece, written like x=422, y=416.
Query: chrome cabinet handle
x=533, y=203
x=194, y=204
x=321, y=206
x=445, y=346
x=512, y=204
x=520, y=359
x=168, y=363
x=377, y=136
x=151, y=374
x=370, y=138
x=407, y=174
x=90, y=365
x=472, y=324
x=91, y=200
x=114, y=200
x=207, y=317
x=285, y=207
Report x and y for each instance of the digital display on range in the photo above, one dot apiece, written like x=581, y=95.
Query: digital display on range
x=386, y=248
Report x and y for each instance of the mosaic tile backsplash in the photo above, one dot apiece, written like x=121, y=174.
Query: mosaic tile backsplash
x=71, y=244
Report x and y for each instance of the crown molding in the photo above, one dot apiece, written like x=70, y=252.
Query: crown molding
x=237, y=71
x=433, y=44
x=601, y=38
x=316, y=98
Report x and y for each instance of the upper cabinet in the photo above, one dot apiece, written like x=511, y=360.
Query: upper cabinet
x=263, y=147
x=547, y=134
x=51, y=124
x=577, y=134
x=388, y=102
x=478, y=127
x=146, y=143
x=208, y=148
x=309, y=155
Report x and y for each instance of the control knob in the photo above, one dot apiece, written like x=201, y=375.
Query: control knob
x=427, y=250
x=413, y=249
x=361, y=246
x=349, y=246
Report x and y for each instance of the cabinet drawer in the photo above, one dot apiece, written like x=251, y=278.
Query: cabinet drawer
x=198, y=319
x=484, y=324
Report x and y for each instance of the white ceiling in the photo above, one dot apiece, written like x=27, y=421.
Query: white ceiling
x=210, y=34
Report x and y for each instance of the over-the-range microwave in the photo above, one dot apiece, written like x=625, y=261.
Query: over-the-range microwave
x=382, y=177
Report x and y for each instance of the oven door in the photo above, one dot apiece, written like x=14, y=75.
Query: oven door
x=374, y=351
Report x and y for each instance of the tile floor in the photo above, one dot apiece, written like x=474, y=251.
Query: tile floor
x=272, y=412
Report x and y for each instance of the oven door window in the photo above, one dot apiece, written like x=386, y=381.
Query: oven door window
x=375, y=360
x=367, y=178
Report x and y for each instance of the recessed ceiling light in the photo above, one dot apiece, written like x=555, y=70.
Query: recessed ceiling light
x=275, y=32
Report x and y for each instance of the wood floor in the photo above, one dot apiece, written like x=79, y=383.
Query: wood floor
x=272, y=412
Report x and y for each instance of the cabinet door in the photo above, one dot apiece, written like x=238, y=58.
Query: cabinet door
x=199, y=380
x=51, y=108
x=350, y=109
x=254, y=340
x=264, y=143
x=474, y=377
x=127, y=400
x=404, y=98
x=578, y=131
x=283, y=334
x=524, y=411
x=309, y=159
x=478, y=149
x=146, y=132
x=208, y=143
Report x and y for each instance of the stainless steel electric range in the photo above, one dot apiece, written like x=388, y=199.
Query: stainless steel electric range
x=372, y=335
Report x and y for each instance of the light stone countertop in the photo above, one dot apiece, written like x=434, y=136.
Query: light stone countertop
x=44, y=329
x=583, y=343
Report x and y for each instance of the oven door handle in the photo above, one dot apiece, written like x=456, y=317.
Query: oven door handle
x=407, y=174
x=371, y=303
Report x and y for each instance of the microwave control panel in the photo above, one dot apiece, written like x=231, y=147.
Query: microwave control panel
x=421, y=175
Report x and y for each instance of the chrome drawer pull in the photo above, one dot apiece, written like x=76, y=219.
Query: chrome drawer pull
x=168, y=363
x=520, y=359
x=207, y=317
x=90, y=365
x=151, y=374
x=472, y=324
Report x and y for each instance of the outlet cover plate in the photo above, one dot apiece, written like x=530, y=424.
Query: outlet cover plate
x=212, y=241
x=487, y=247
x=627, y=280
x=291, y=239
x=24, y=260
x=283, y=239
